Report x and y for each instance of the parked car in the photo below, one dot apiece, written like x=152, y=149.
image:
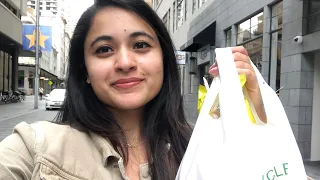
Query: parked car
x=55, y=99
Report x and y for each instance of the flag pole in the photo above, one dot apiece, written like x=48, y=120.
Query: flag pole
x=36, y=79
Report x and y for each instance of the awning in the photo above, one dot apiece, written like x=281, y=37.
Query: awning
x=7, y=44
x=205, y=37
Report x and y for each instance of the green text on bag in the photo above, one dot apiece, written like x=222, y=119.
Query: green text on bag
x=276, y=172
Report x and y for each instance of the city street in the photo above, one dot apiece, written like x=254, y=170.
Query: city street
x=12, y=114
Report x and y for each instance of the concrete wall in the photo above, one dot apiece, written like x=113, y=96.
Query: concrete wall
x=315, y=136
x=20, y=4
x=12, y=29
x=298, y=76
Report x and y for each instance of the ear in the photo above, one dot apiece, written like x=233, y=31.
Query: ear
x=88, y=80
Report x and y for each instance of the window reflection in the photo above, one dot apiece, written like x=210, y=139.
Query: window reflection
x=1, y=69
x=166, y=20
x=204, y=72
x=228, y=38
x=250, y=29
x=254, y=49
x=314, y=16
x=276, y=41
x=180, y=12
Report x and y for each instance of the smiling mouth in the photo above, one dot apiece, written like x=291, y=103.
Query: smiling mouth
x=127, y=83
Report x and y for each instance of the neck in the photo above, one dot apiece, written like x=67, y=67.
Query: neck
x=131, y=122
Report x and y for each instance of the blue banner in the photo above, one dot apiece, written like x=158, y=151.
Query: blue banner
x=29, y=37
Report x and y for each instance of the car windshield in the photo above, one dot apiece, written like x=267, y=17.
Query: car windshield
x=58, y=92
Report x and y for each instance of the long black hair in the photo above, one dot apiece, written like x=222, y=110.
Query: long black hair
x=164, y=119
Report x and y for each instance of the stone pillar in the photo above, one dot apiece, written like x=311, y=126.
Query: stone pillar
x=26, y=81
x=315, y=143
x=14, y=70
x=296, y=76
x=266, y=45
x=234, y=32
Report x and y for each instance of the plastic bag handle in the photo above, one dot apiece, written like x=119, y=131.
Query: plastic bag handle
x=231, y=92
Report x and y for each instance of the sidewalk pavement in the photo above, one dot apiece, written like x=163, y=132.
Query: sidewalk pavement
x=19, y=108
x=313, y=170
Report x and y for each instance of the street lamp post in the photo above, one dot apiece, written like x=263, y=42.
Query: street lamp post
x=36, y=81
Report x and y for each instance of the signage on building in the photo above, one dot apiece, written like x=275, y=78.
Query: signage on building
x=204, y=55
x=181, y=57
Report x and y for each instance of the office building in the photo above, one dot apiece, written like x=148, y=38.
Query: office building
x=267, y=29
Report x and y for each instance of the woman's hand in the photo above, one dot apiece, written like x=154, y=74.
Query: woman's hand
x=243, y=65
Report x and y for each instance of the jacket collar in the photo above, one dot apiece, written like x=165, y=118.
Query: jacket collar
x=105, y=147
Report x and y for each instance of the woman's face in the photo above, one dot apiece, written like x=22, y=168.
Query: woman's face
x=123, y=57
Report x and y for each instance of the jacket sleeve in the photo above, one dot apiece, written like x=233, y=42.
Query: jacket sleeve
x=16, y=159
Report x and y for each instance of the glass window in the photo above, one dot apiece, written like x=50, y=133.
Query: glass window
x=166, y=20
x=174, y=16
x=180, y=12
x=254, y=49
x=185, y=10
x=1, y=69
x=228, y=38
x=277, y=14
x=201, y=2
x=314, y=16
x=31, y=81
x=21, y=79
x=6, y=73
x=156, y=2
x=244, y=26
x=276, y=41
x=250, y=29
x=314, y=7
x=204, y=72
x=10, y=72
x=276, y=55
x=182, y=72
x=194, y=6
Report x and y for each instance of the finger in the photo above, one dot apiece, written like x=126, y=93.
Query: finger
x=214, y=65
x=247, y=72
x=241, y=57
x=243, y=65
x=214, y=71
x=240, y=49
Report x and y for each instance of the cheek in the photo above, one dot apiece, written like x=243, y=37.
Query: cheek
x=97, y=71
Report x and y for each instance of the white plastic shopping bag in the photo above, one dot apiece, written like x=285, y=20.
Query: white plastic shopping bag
x=229, y=146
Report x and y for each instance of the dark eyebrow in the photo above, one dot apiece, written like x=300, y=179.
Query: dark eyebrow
x=101, y=38
x=141, y=33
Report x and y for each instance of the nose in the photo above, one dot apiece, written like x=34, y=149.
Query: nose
x=125, y=61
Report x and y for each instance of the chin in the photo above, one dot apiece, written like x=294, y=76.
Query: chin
x=129, y=105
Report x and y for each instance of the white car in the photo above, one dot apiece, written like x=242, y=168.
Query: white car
x=55, y=99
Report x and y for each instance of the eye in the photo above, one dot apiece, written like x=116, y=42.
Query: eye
x=103, y=49
x=140, y=45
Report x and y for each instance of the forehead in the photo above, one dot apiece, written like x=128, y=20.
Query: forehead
x=114, y=20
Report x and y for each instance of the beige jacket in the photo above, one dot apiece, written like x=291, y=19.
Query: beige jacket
x=48, y=151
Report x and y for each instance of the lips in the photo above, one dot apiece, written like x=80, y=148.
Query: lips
x=127, y=82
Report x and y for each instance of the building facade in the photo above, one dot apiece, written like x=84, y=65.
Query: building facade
x=45, y=5
x=267, y=29
x=10, y=42
x=52, y=63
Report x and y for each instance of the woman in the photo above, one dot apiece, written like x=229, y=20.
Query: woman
x=123, y=116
